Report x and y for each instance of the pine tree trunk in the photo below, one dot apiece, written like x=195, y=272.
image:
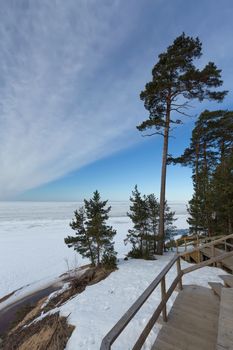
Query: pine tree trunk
x=206, y=189
x=154, y=230
x=98, y=255
x=197, y=186
x=229, y=224
x=91, y=252
x=98, y=250
x=163, y=183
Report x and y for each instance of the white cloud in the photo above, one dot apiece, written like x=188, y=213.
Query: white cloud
x=58, y=109
x=71, y=72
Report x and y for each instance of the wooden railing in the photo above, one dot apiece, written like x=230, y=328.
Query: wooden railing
x=184, y=242
x=113, y=334
x=162, y=307
x=214, y=242
x=210, y=261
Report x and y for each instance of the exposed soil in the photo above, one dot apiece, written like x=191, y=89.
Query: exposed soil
x=11, y=315
x=91, y=276
x=50, y=333
x=53, y=331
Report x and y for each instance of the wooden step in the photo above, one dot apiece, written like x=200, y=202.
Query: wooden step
x=216, y=287
x=225, y=322
x=228, y=280
x=192, y=321
x=184, y=339
x=162, y=345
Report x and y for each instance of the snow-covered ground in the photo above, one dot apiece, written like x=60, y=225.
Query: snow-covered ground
x=99, y=307
x=32, y=249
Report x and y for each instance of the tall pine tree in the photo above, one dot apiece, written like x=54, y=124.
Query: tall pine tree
x=175, y=81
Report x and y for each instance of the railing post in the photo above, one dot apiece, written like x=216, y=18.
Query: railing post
x=163, y=292
x=180, y=286
x=185, y=245
x=177, y=247
x=213, y=253
x=198, y=252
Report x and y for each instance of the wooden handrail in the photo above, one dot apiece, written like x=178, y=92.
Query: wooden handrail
x=194, y=237
x=229, y=245
x=141, y=340
x=208, y=262
x=217, y=241
x=188, y=238
x=126, y=318
x=194, y=240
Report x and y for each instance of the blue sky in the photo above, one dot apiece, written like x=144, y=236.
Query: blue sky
x=71, y=75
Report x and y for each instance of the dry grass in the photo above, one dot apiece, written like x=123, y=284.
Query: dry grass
x=53, y=331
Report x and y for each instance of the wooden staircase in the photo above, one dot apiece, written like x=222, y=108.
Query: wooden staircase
x=200, y=318
x=206, y=248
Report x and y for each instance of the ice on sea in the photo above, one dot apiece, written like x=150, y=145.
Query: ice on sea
x=32, y=249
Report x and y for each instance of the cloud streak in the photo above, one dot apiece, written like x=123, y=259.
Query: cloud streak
x=59, y=111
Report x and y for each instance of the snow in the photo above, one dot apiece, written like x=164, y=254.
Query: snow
x=32, y=249
x=99, y=307
x=33, y=253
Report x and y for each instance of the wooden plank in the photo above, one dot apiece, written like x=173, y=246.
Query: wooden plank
x=208, y=262
x=228, y=280
x=227, y=262
x=225, y=325
x=193, y=240
x=215, y=242
x=216, y=287
x=162, y=345
x=192, y=322
x=192, y=342
x=163, y=293
x=178, y=266
x=229, y=245
x=205, y=310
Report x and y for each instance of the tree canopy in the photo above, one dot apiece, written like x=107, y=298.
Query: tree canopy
x=210, y=157
x=175, y=81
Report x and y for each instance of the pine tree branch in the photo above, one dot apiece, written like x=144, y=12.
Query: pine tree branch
x=184, y=105
x=182, y=113
x=154, y=133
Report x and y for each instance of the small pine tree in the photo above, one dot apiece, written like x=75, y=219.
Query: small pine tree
x=169, y=219
x=144, y=213
x=94, y=238
x=153, y=214
x=138, y=236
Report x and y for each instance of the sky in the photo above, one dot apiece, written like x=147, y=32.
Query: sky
x=70, y=77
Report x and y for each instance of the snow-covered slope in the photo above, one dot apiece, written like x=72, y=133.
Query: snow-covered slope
x=100, y=306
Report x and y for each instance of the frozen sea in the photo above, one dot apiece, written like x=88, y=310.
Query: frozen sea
x=32, y=249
